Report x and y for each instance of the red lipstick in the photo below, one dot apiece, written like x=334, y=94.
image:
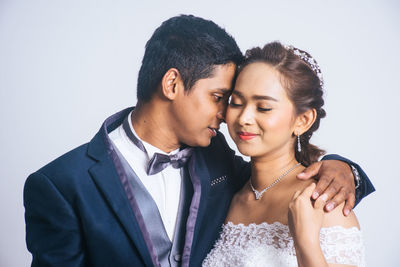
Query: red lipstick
x=246, y=136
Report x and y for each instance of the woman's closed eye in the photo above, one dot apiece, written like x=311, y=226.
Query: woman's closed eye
x=233, y=104
x=264, y=109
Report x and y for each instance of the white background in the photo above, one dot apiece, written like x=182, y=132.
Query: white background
x=67, y=65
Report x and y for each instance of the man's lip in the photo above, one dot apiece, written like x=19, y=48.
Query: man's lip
x=246, y=135
x=213, y=131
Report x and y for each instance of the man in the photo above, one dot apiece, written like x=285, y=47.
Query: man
x=152, y=188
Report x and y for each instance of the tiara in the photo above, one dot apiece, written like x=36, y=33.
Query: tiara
x=309, y=60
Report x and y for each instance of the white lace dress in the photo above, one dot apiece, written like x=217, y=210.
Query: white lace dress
x=272, y=245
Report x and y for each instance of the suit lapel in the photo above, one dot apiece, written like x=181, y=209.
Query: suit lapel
x=106, y=176
x=200, y=178
x=200, y=170
x=108, y=183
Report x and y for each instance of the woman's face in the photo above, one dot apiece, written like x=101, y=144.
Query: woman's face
x=260, y=116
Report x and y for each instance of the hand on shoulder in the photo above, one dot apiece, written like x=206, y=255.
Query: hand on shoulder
x=305, y=218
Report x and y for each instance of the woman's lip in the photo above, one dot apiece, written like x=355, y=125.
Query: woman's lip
x=246, y=136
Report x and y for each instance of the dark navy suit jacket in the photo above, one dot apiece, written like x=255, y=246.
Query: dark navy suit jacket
x=77, y=211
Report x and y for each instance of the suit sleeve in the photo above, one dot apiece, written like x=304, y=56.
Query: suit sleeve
x=366, y=187
x=52, y=228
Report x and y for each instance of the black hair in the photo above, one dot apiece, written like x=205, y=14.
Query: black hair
x=192, y=45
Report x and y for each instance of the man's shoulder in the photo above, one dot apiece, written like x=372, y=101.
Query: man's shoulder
x=70, y=164
x=75, y=155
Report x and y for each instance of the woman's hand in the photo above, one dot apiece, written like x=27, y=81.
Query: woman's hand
x=305, y=217
x=305, y=221
x=335, y=183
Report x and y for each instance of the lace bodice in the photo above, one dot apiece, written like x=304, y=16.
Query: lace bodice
x=272, y=245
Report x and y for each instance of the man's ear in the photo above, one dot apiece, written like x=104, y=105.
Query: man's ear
x=304, y=121
x=171, y=83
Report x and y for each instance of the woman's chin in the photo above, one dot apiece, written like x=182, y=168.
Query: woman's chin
x=246, y=150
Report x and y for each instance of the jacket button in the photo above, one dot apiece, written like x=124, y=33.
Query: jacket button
x=177, y=257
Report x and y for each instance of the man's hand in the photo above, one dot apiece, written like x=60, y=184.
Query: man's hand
x=335, y=183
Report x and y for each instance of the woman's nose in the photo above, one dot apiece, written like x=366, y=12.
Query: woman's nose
x=246, y=117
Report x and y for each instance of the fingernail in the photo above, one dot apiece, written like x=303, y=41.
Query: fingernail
x=330, y=206
x=324, y=197
x=315, y=195
x=300, y=175
x=346, y=212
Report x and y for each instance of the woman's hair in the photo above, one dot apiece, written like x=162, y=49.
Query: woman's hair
x=301, y=77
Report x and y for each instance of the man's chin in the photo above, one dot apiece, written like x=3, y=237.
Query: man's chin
x=202, y=143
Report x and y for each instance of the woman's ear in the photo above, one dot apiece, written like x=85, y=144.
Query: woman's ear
x=304, y=121
x=170, y=83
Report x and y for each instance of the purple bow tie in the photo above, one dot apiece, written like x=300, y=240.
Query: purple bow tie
x=159, y=161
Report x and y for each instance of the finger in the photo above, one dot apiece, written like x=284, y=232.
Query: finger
x=307, y=192
x=340, y=197
x=331, y=191
x=296, y=194
x=349, y=204
x=310, y=171
x=319, y=203
x=322, y=184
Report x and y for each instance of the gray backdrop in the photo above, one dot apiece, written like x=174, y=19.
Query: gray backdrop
x=67, y=65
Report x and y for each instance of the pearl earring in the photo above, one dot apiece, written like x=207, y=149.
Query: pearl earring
x=298, y=143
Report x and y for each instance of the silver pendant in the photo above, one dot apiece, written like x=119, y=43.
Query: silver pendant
x=258, y=194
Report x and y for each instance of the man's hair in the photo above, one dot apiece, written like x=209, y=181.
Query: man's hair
x=192, y=45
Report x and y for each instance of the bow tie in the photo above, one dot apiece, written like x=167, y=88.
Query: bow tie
x=159, y=161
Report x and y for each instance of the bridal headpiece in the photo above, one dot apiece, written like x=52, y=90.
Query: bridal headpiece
x=309, y=60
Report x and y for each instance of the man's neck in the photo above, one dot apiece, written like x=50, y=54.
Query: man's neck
x=152, y=126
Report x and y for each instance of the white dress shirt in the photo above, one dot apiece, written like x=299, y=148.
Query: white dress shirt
x=164, y=187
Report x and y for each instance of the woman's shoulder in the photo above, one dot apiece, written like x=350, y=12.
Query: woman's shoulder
x=341, y=239
x=336, y=218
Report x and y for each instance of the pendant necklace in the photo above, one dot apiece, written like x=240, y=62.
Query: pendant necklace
x=259, y=194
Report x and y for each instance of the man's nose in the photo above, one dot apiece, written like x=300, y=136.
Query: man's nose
x=222, y=110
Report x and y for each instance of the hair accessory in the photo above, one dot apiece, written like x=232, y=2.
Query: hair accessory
x=259, y=194
x=298, y=143
x=309, y=60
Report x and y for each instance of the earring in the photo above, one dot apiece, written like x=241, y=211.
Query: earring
x=298, y=143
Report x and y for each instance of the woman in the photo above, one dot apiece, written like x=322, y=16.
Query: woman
x=274, y=109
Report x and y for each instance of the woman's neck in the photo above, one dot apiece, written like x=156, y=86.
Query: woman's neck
x=265, y=170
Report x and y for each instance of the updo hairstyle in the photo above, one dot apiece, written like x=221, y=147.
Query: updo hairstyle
x=303, y=83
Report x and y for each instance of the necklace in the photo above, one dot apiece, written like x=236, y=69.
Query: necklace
x=259, y=194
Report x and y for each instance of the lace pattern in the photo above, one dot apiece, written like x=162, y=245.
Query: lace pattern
x=272, y=245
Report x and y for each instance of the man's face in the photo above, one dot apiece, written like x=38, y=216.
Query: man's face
x=199, y=112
